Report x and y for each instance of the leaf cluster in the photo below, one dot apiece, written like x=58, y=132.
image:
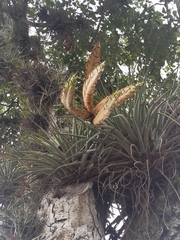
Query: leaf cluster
x=133, y=158
x=17, y=210
x=128, y=33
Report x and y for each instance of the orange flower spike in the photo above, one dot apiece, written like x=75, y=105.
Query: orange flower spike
x=127, y=92
x=67, y=97
x=90, y=85
x=114, y=100
x=68, y=91
x=93, y=61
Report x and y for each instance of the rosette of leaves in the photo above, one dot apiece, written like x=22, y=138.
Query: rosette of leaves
x=133, y=158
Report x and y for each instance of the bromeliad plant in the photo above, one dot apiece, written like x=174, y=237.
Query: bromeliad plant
x=102, y=110
x=132, y=159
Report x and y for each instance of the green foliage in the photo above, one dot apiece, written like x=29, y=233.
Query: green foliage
x=134, y=157
x=10, y=112
x=19, y=219
x=136, y=39
x=17, y=211
x=127, y=33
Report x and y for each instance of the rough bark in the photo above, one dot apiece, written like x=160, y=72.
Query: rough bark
x=70, y=214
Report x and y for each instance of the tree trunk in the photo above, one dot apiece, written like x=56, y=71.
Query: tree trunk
x=70, y=214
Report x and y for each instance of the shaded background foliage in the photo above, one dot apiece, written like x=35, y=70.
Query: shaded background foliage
x=43, y=42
